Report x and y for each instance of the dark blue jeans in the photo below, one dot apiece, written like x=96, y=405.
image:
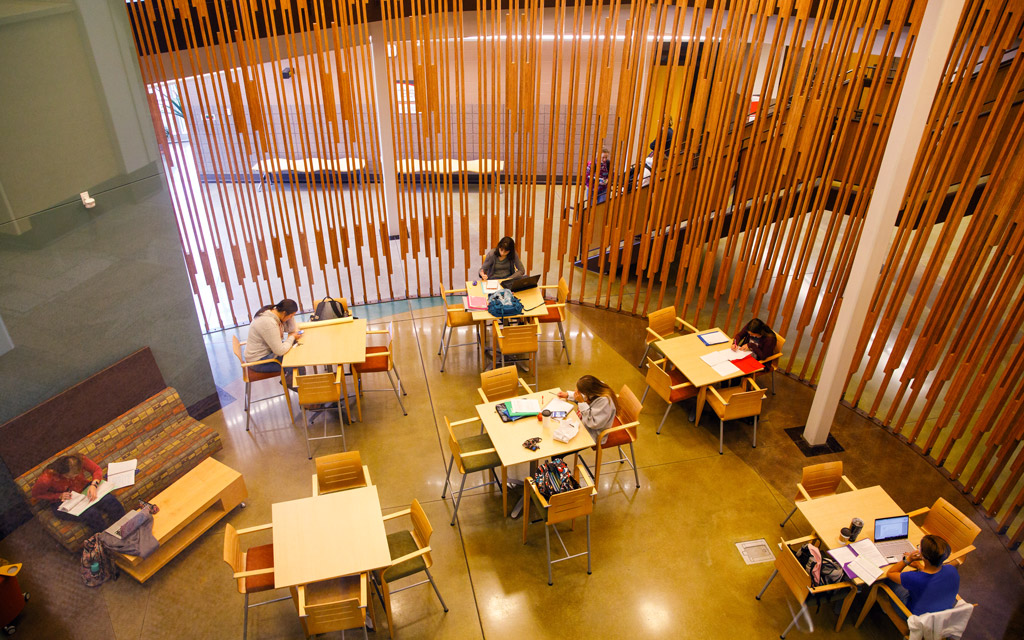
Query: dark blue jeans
x=108, y=506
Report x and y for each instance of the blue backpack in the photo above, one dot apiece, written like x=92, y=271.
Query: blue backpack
x=502, y=304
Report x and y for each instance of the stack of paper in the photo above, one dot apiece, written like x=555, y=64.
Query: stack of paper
x=490, y=286
x=122, y=474
x=713, y=337
x=523, y=407
x=861, y=560
x=559, y=405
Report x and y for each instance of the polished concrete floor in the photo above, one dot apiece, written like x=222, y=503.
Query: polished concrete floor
x=665, y=560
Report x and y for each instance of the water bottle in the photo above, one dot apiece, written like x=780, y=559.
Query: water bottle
x=94, y=567
x=855, y=527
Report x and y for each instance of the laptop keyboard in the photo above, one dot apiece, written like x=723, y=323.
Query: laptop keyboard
x=894, y=548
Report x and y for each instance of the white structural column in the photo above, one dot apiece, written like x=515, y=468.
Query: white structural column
x=386, y=149
x=928, y=59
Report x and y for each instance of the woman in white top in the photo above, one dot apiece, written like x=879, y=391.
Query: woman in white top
x=272, y=333
x=596, y=404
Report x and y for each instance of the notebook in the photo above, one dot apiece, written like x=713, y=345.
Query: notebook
x=477, y=303
x=891, y=536
x=519, y=284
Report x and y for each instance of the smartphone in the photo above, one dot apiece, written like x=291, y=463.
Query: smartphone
x=558, y=414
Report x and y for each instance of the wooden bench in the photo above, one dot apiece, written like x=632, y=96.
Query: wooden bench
x=188, y=508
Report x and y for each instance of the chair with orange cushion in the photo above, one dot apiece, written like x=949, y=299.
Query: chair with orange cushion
x=622, y=432
x=249, y=376
x=669, y=383
x=455, y=316
x=556, y=313
x=662, y=324
x=253, y=569
x=379, y=359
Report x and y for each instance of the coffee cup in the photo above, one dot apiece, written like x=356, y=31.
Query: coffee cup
x=844, y=535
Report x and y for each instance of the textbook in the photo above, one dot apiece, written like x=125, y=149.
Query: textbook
x=79, y=502
x=476, y=303
x=860, y=560
x=122, y=474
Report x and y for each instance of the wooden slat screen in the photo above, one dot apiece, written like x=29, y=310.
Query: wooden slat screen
x=779, y=113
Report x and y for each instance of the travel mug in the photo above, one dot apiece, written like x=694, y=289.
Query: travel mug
x=856, y=525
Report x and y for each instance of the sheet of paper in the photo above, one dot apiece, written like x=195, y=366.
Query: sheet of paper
x=864, y=569
x=79, y=502
x=726, y=369
x=866, y=549
x=713, y=337
x=525, y=405
x=842, y=555
x=559, y=405
x=122, y=474
x=737, y=354
x=716, y=357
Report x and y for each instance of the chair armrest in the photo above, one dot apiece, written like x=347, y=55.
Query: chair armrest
x=654, y=333
x=958, y=555
x=849, y=484
x=917, y=512
x=548, y=286
x=497, y=329
x=715, y=393
x=300, y=597
x=554, y=305
x=466, y=421
x=261, y=527
x=801, y=540
x=254, y=572
x=681, y=385
x=774, y=356
x=533, y=487
x=892, y=596
x=447, y=291
x=369, y=331
x=803, y=492
x=525, y=386
x=621, y=427
x=689, y=327
x=366, y=475
x=845, y=584
x=316, y=486
x=397, y=514
x=264, y=361
x=362, y=592
x=410, y=556
x=584, y=478
x=483, y=397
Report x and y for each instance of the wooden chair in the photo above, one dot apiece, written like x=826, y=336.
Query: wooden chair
x=623, y=431
x=737, y=402
x=249, y=377
x=340, y=472
x=410, y=554
x=947, y=522
x=662, y=324
x=671, y=385
x=471, y=454
x=379, y=359
x=799, y=583
x=455, y=316
x=556, y=313
x=895, y=609
x=819, y=481
x=501, y=384
x=253, y=569
x=332, y=605
x=519, y=340
x=561, y=507
x=318, y=389
x=771, y=361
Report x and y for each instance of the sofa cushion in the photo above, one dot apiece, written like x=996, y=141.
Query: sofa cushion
x=159, y=433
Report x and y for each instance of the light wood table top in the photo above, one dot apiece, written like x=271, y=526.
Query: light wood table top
x=685, y=353
x=329, y=536
x=508, y=437
x=336, y=343
x=830, y=514
x=532, y=299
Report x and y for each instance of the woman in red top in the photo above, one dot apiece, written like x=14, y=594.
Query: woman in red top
x=78, y=474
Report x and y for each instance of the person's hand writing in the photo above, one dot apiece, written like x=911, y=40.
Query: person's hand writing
x=483, y=276
x=563, y=394
x=66, y=495
x=91, y=492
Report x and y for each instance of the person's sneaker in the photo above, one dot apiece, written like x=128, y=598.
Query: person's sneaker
x=369, y=624
x=691, y=416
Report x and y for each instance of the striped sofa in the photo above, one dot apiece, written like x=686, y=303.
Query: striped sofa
x=159, y=433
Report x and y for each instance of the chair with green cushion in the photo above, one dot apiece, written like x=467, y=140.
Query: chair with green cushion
x=561, y=507
x=472, y=454
x=410, y=554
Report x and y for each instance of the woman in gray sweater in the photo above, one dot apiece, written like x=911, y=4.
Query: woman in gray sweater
x=502, y=262
x=596, y=404
x=272, y=333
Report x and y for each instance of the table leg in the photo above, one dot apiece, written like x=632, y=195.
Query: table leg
x=482, y=331
x=287, y=394
x=504, y=491
x=700, y=403
x=344, y=395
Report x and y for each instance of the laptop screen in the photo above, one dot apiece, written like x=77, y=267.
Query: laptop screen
x=892, y=528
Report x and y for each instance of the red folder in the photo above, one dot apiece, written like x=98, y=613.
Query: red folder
x=478, y=303
x=750, y=364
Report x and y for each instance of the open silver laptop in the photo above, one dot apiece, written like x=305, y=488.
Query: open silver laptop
x=891, y=537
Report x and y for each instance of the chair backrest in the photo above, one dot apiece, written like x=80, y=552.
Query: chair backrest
x=421, y=529
x=339, y=471
x=659, y=379
x=563, y=293
x=662, y=322
x=520, y=339
x=333, y=605
x=236, y=346
x=629, y=410
x=793, y=573
x=570, y=504
x=745, y=403
x=779, y=341
x=947, y=522
x=453, y=446
x=499, y=384
x=821, y=479
x=318, y=388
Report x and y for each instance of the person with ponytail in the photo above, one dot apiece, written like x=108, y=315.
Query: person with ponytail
x=272, y=333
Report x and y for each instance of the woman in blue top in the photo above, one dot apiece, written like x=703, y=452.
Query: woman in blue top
x=933, y=587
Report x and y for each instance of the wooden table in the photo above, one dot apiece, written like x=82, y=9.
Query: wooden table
x=828, y=515
x=684, y=352
x=328, y=343
x=328, y=536
x=533, y=306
